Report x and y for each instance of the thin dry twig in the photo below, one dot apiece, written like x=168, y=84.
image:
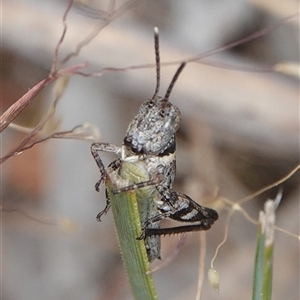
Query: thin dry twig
x=65, y=27
x=79, y=132
x=202, y=254
x=106, y=18
x=251, y=37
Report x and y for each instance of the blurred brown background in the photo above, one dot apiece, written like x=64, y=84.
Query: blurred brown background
x=239, y=133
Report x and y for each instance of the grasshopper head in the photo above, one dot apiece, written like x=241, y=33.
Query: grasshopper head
x=154, y=127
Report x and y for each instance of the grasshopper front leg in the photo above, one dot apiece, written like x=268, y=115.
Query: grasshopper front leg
x=104, y=147
x=95, y=148
x=112, y=167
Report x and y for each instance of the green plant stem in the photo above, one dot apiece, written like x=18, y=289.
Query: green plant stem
x=258, y=268
x=263, y=270
x=268, y=272
x=128, y=227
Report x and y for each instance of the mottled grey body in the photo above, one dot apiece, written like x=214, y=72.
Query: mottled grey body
x=147, y=161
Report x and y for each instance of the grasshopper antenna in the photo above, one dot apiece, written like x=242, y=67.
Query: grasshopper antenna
x=166, y=98
x=157, y=61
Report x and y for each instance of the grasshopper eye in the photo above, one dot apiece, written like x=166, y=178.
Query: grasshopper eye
x=162, y=113
x=127, y=140
x=150, y=103
x=130, y=144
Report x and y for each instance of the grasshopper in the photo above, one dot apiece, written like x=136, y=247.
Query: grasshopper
x=147, y=161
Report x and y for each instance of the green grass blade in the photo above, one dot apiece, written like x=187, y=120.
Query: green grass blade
x=263, y=269
x=128, y=226
x=268, y=271
x=259, y=267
